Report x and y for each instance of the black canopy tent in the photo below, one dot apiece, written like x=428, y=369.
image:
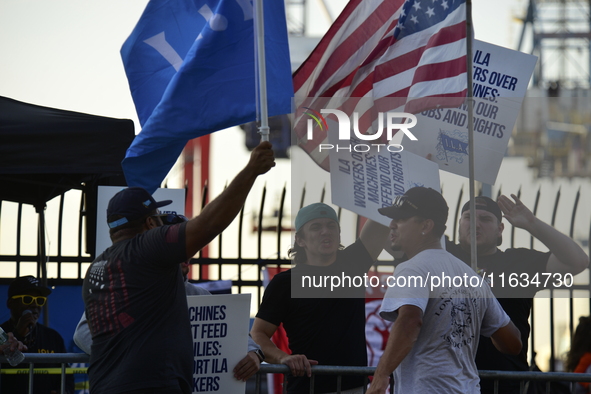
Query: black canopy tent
x=45, y=152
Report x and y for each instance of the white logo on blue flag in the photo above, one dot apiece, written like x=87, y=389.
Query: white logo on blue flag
x=215, y=85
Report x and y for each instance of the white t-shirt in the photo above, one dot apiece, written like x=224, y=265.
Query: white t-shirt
x=458, y=307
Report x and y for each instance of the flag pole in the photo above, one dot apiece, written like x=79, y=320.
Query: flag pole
x=261, y=69
x=473, y=251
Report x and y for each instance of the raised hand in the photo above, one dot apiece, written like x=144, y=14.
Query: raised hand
x=262, y=158
x=516, y=212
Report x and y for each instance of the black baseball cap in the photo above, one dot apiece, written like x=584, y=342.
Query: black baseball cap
x=131, y=203
x=26, y=285
x=486, y=204
x=418, y=201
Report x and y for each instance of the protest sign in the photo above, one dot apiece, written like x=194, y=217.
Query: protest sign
x=219, y=325
x=104, y=195
x=363, y=181
x=500, y=80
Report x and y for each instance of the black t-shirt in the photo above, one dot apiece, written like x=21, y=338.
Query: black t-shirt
x=328, y=330
x=136, y=308
x=41, y=339
x=516, y=301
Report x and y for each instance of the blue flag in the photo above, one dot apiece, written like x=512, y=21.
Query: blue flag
x=155, y=50
x=215, y=86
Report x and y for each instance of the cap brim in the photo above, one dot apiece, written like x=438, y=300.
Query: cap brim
x=44, y=291
x=395, y=213
x=163, y=203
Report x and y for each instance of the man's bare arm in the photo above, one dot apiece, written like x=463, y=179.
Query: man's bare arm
x=261, y=332
x=373, y=236
x=219, y=213
x=403, y=335
x=567, y=256
x=507, y=339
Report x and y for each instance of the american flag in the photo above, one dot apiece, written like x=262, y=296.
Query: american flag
x=396, y=55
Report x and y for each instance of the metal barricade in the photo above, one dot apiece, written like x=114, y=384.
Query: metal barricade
x=532, y=376
x=340, y=371
x=524, y=377
x=41, y=358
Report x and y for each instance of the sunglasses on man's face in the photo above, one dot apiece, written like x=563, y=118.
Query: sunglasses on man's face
x=28, y=299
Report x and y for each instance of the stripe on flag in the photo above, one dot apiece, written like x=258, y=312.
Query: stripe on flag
x=402, y=56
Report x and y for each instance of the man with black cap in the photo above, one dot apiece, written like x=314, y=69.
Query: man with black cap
x=26, y=297
x=325, y=325
x=438, y=305
x=244, y=369
x=134, y=292
x=564, y=256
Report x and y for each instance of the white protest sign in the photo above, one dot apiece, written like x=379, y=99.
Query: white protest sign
x=219, y=325
x=500, y=80
x=364, y=181
x=105, y=193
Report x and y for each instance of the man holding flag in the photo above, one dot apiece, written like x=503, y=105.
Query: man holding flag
x=134, y=294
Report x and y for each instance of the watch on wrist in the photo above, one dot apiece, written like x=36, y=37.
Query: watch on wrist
x=259, y=354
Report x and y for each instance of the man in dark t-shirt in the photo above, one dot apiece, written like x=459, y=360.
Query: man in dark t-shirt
x=325, y=323
x=565, y=256
x=134, y=292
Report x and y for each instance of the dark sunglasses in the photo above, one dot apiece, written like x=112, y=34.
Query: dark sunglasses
x=402, y=201
x=28, y=299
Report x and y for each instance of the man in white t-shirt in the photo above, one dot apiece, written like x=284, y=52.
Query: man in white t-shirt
x=438, y=304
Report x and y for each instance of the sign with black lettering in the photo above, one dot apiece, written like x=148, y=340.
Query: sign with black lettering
x=219, y=325
x=364, y=179
x=500, y=80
